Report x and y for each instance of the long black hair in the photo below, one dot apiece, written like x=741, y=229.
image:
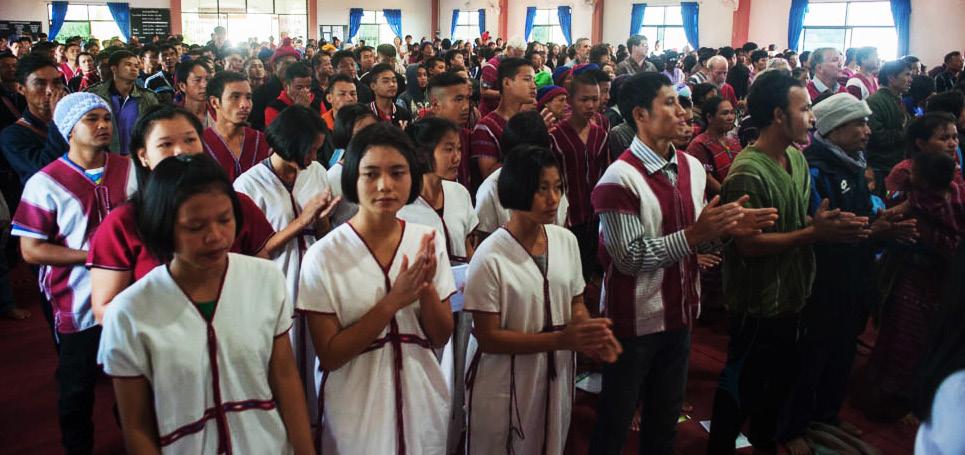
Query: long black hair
x=945, y=351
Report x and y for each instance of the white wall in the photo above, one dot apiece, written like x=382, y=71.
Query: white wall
x=36, y=10
x=582, y=16
x=936, y=26
x=714, y=25
x=415, y=13
x=446, y=7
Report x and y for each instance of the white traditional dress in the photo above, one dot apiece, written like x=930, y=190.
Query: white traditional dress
x=491, y=212
x=521, y=403
x=391, y=398
x=281, y=206
x=455, y=223
x=209, y=378
x=345, y=210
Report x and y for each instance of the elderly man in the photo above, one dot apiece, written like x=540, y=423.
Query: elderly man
x=837, y=310
x=717, y=67
x=826, y=65
x=637, y=60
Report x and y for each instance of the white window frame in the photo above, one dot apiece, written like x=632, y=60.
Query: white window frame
x=467, y=27
x=846, y=25
x=73, y=13
x=546, y=24
x=383, y=34
x=657, y=21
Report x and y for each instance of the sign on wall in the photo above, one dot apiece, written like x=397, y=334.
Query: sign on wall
x=147, y=22
x=20, y=28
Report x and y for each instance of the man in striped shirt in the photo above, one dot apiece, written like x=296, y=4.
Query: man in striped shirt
x=654, y=221
x=580, y=145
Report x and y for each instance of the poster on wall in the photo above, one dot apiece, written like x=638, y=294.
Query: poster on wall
x=147, y=22
x=20, y=28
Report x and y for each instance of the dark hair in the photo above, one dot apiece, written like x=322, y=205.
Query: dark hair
x=757, y=55
x=143, y=126
x=702, y=90
x=509, y=68
x=726, y=52
x=769, y=91
x=297, y=70
x=635, y=40
x=738, y=76
x=952, y=102
x=709, y=107
x=31, y=63
x=891, y=69
x=922, y=87
x=949, y=56
x=425, y=135
x=923, y=127
x=173, y=182
x=525, y=128
x=804, y=57
x=597, y=52
x=166, y=46
x=119, y=55
x=944, y=351
x=341, y=55
x=378, y=134
x=582, y=79
x=452, y=54
x=935, y=170
x=431, y=61
x=685, y=102
x=749, y=46
x=338, y=77
x=387, y=50
x=379, y=69
x=345, y=122
x=640, y=91
x=293, y=134
x=184, y=69
x=689, y=62
x=220, y=80
x=518, y=181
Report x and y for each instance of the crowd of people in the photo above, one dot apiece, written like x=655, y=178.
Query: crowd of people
x=414, y=247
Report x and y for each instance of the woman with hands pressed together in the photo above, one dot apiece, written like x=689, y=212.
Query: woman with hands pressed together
x=525, y=291
x=376, y=290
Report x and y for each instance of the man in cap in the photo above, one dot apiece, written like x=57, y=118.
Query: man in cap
x=844, y=287
x=61, y=207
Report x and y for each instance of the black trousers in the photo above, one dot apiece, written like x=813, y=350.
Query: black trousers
x=588, y=240
x=651, y=369
x=76, y=374
x=756, y=382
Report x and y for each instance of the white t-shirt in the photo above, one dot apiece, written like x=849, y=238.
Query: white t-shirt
x=944, y=433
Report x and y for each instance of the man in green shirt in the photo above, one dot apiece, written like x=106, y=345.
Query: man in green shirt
x=887, y=121
x=767, y=277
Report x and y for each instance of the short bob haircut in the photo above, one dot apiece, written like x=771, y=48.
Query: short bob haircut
x=640, y=91
x=143, y=127
x=379, y=134
x=293, y=133
x=923, y=127
x=345, y=122
x=426, y=135
x=525, y=128
x=171, y=184
x=771, y=90
x=518, y=181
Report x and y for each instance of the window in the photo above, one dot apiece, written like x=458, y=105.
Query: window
x=663, y=25
x=467, y=28
x=546, y=27
x=244, y=19
x=374, y=29
x=86, y=21
x=327, y=32
x=842, y=25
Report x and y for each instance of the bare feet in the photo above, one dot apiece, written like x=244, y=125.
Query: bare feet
x=798, y=446
x=16, y=314
x=635, y=423
x=851, y=429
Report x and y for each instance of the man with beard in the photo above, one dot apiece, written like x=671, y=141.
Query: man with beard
x=235, y=145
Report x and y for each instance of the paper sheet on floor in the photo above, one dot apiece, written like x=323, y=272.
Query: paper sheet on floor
x=741, y=439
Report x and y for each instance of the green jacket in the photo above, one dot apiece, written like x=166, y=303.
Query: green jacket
x=886, y=148
x=145, y=99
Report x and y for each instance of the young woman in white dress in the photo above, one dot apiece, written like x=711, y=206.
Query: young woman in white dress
x=376, y=290
x=524, y=287
x=198, y=347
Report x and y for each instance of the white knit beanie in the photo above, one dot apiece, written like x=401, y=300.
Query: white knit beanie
x=72, y=107
x=839, y=109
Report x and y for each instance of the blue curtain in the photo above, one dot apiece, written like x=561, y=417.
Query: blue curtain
x=566, y=22
x=795, y=22
x=58, y=12
x=901, y=12
x=455, y=20
x=636, y=18
x=690, y=12
x=530, y=17
x=121, y=13
x=394, y=19
x=354, y=23
x=482, y=21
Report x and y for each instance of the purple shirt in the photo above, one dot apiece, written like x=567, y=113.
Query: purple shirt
x=125, y=115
